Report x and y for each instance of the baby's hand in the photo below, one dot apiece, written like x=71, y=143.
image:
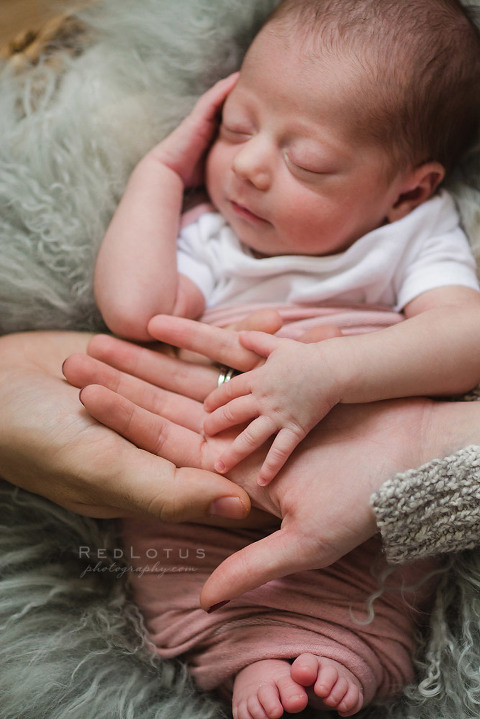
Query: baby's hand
x=185, y=148
x=287, y=396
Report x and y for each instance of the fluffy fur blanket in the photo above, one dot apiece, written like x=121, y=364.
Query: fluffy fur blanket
x=71, y=643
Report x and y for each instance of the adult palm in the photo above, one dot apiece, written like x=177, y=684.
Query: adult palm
x=322, y=496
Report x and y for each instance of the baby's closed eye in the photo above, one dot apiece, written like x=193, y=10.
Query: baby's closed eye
x=234, y=132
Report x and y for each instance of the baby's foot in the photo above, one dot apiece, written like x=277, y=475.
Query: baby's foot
x=331, y=682
x=265, y=689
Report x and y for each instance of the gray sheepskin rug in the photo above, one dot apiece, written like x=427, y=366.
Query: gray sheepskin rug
x=71, y=643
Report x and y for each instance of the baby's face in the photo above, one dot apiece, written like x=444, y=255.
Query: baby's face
x=287, y=171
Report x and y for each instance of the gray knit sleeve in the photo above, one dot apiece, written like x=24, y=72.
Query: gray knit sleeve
x=431, y=510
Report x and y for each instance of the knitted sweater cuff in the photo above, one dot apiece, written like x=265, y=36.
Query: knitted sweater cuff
x=431, y=510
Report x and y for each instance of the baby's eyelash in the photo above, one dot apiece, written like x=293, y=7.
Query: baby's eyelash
x=299, y=168
x=230, y=132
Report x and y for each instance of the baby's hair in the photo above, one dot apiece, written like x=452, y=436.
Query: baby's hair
x=416, y=61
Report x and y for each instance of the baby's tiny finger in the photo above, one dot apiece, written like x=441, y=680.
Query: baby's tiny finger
x=238, y=411
x=260, y=342
x=226, y=392
x=283, y=445
x=208, y=105
x=247, y=442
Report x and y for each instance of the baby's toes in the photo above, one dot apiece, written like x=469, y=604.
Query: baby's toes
x=240, y=710
x=269, y=700
x=256, y=710
x=327, y=680
x=304, y=669
x=352, y=702
x=294, y=698
x=337, y=693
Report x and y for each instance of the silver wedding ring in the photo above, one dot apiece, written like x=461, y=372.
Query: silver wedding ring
x=226, y=374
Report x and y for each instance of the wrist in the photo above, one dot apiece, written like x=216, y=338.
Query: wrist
x=334, y=359
x=168, y=163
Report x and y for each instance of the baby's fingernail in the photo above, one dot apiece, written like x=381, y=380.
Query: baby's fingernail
x=214, y=607
x=228, y=507
x=220, y=467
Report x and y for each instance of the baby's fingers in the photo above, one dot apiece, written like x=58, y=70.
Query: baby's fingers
x=226, y=392
x=261, y=343
x=237, y=411
x=283, y=445
x=246, y=443
x=209, y=104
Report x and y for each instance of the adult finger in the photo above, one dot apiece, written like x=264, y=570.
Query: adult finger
x=149, y=431
x=144, y=482
x=152, y=366
x=220, y=345
x=81, y=370
x=265, y=320
x=320, y=333
x=283, y=552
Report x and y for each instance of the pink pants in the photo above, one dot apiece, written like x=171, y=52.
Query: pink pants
x=323, y=611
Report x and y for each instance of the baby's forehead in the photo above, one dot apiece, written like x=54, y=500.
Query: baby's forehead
x=340, y=56
x=371, y=53
x=291, y=66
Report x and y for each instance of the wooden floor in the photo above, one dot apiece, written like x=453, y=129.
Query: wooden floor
x=19, y=15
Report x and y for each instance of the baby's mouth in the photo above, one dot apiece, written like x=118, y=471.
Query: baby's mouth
x=245, y=213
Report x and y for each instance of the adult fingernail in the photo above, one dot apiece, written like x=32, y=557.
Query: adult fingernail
x=214, y=607
x=228, y=507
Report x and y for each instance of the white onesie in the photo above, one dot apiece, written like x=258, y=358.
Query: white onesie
x=388, y=266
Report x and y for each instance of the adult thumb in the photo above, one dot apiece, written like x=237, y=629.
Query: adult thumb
x=149, y=485
x=200, y=495
x=276, y=555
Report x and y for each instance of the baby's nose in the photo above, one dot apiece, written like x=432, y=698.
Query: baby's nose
x=253, y=163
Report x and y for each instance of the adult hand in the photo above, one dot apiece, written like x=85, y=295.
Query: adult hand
x=322, y=494
x=50, y=446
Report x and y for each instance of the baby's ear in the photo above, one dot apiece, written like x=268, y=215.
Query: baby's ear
x=417, y=186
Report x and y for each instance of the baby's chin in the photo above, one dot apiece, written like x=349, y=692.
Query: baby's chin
x=262, y=249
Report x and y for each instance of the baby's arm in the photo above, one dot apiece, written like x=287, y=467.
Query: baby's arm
x=136, y=271
x=436, y=351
